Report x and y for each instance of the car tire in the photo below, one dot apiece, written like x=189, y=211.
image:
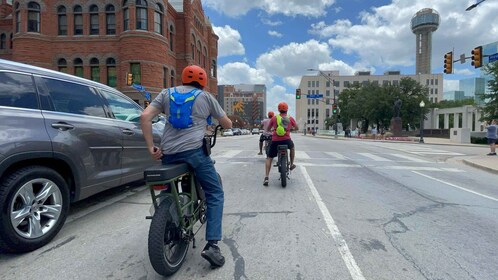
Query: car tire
x=40, y=197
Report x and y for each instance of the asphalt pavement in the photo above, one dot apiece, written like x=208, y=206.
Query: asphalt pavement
x=484, y=162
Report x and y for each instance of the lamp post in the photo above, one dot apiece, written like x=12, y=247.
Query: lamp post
x=474, y=5
x=422, y=105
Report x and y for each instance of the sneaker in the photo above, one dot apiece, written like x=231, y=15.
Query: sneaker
x=491, y=154
x=260, y=153
x=265, y=182
x=213, y=255
x=293, y=167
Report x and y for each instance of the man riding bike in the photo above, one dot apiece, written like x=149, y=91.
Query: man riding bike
x=286, y=123
x=182, y=141
x=266, y=131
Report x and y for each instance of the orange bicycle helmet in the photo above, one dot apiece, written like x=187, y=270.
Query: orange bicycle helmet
x=194, y=73
x=283, y=107
x=271, y=114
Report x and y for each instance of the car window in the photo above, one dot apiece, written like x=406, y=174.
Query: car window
x=123, y=108
x=17, y=90
x=67, y=97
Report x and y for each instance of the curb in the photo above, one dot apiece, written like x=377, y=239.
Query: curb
x=480, y=166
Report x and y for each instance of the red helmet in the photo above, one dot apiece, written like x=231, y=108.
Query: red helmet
x=194, y=73
x=271, y=114
x=282, y=106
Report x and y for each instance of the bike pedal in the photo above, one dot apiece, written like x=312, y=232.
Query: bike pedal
x=148, y=217
x=193, y=243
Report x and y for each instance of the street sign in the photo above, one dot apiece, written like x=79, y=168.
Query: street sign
x=314, y=96
x=138, y=87
x=462, y=58
x=493, y=57
x=147, y=95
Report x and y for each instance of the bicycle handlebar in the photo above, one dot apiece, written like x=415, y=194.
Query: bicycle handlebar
x=212, y=137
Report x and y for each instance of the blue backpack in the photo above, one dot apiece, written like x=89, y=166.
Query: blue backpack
x=180, y=108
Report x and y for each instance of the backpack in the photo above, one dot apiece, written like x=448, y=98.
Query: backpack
x=180, y=108
x=280, y=127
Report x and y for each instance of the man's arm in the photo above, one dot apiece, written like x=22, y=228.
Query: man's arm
x=294, y=124
x=146, y=124
x=225, y=122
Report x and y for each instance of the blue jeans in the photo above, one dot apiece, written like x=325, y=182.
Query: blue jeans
x=206, y=174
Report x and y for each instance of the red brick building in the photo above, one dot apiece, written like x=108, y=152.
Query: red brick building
x=104, y=40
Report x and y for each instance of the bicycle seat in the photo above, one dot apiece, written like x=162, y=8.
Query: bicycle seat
x=165, y=172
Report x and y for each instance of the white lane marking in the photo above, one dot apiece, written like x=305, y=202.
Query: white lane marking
x=374, y=157
x=458, y=187
x=99, y=206
x=354, y=269
x=336, y=155
x=409, y=158
x=438, y=153
x=229, y=153
x=302, y=155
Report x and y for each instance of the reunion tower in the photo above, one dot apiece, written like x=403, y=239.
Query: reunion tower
x=424, y=22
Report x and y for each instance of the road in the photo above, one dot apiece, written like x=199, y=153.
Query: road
x=352, y=210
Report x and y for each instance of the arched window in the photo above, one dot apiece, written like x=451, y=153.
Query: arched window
x=111, y=72
x=11, y=40
x=33, y=17
x=192, y=45
x=158, y=19
x=213, y=68
x=165, y=77
x=78, y=20
x=62, y=20
x=172, y=79
x=78, y=67
x=3, y=41
x=126, y=16
x=110, y=20
x=18, y=18
x=199, y=52
x=204, y=56
x=94, y=70
x=141, y=14
x=171, y=32
x=94, y=20
x=62, y=65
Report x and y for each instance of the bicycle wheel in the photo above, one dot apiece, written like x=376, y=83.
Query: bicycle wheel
x=283, y=170
x=167, y=248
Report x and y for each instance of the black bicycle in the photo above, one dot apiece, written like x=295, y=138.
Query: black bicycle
x=283, y=164
x=178, y=204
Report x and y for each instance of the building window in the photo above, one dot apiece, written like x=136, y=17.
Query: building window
x=141, y=14
x=94, y=70
x=18, y=18
x=135, y=70
x=110, y=20
x=171, y=32
x=111, y=72
x=192, y=45
x=158, y=19
x=126, y=16
x=165, y=77
x=94, y=20
x=33, y=17
x=78, y=67
x=78, y=20
x=62, y=20
x=204, y=57
x=213, y=69
x=199, y=52
x=11, y=40
x=3, y=41
x=172, y=79
x=62, y=65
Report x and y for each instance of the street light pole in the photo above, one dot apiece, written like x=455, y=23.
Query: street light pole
x=474, y=5
x=422, y=105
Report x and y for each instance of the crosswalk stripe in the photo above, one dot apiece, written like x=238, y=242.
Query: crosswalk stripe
x=374, y=157
x=302, y=155
x=229, y=153
x=409, y=158
x=336, y=155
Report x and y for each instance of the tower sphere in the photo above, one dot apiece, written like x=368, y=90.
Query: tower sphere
x=425, y=20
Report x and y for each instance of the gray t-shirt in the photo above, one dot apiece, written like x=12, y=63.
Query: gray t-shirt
x=179, y=140
x=491, y=132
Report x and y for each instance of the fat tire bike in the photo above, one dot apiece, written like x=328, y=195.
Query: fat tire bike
x=178, y=203
x=283, y=164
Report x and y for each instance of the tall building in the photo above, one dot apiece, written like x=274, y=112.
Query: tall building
x=106, y=40
x=311, y=112
x=423, y=23
x=247, y=101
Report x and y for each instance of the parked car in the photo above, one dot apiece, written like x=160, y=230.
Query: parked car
x=228, y=132
x=245, y=131
x=236, y=131
x=62, y=139
x=255, y=131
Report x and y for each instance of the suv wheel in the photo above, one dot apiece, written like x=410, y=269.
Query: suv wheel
x=34, y=204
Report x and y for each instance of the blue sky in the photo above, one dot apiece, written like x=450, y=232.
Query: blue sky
x=273, y=42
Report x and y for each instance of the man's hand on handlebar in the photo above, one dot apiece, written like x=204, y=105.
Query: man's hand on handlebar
x=155, y=152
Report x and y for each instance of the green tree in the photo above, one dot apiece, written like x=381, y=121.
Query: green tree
x=490, y=109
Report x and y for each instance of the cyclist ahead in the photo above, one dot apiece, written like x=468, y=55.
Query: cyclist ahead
x=182, y=142
x=266, y=131
x=287, y=123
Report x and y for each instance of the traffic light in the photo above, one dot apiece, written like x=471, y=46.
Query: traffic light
x=448, y=63
x=298, y=93
x=477, y=57
x=129, y=79
x=334, y=109
x=146, y=103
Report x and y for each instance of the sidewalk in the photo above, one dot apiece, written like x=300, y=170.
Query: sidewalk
x=484, y=162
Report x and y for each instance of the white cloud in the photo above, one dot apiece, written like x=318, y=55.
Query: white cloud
x=277, y=94
x=271, y=23
x=275, y=34
x=229, y=42
x=241, y=73
x=312, y=8
x=450, y=85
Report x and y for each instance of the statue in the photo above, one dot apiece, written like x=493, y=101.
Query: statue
x=397, y=107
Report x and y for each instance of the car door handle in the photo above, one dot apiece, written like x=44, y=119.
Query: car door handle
x=128, y=131
x=62, y=126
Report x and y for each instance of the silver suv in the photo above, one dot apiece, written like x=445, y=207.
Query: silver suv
x=62, y=139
